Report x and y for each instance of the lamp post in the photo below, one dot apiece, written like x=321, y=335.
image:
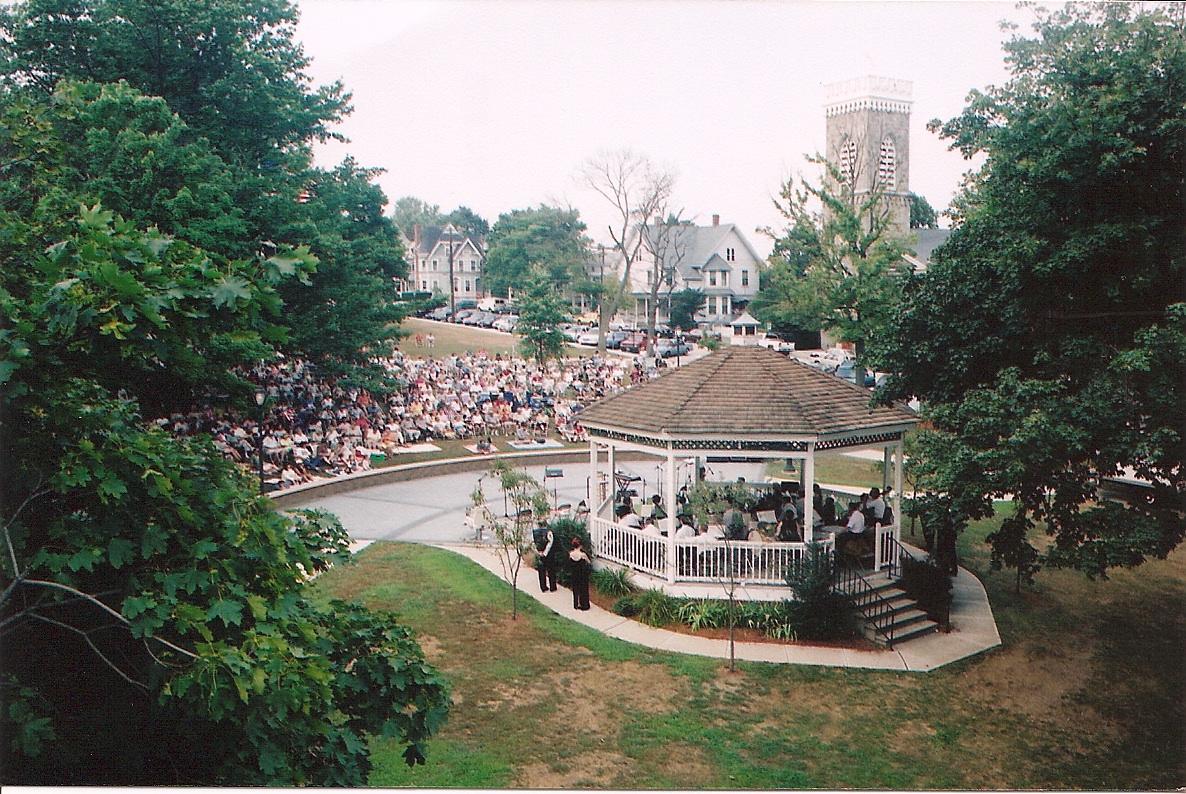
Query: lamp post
x=260, y=397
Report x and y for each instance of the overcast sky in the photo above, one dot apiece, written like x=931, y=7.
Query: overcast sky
x=494, y=105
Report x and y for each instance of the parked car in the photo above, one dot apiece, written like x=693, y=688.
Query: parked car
x=506, y=323
x=441, y=313
x=635, y=343
x=666, y=348
x=778, y=343
x=480, y=319
x=588, y=338
x=613, y=340
x=847, y=369
x=573, y=332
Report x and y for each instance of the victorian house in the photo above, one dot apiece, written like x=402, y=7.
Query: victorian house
x=444, y=260
x=717, y=260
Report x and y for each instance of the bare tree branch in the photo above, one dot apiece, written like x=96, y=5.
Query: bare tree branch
x=636, y=190
x=38, y=490
x=114, y=613
x=86, y=636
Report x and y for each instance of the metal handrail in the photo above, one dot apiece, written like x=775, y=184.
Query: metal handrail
x=894, y=553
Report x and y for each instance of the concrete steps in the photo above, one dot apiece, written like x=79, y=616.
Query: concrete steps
x=906, y=621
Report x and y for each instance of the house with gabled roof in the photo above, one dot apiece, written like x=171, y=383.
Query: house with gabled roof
x=718, y=260
x=435, y=252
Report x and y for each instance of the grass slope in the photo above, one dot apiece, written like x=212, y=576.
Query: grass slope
x=1087, y=693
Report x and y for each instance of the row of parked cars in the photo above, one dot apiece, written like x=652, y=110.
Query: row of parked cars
x=469, y=313
x=629, y=341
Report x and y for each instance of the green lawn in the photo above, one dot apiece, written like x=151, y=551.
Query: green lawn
x=451, y=339
x=1087, y=693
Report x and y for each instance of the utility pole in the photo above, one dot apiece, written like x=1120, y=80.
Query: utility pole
x=452, y=290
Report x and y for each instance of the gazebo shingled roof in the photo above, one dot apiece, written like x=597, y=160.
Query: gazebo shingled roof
x=741, y=392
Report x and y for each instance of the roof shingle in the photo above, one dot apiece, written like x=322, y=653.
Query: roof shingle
x=744, y=392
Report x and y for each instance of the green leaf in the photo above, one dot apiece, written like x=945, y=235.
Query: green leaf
x=228, y=290
x=120, y=551
x=229, y=612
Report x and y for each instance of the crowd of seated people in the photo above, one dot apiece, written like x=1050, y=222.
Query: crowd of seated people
x=315, y=426
x=778, y=514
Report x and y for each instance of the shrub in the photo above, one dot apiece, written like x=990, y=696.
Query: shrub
x=563, y=531
x=930, y=586
x=613, y=582
x=627, y=606
x=704, y=613
x=656, y=608
x=772, y=618
x=818, y=613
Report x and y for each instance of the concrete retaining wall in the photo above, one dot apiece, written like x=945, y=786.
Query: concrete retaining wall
x=302, y=494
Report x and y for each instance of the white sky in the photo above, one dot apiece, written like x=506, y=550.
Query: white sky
x=494, y=105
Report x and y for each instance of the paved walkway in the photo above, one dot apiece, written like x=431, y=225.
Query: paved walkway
x=431, y=510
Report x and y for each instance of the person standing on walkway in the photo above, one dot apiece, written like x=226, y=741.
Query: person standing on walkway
x=581, y=566
x=544, y=541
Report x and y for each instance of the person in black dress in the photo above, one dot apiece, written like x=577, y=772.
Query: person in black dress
x=580, y=565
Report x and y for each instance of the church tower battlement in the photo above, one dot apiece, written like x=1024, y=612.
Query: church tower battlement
x=868, y=139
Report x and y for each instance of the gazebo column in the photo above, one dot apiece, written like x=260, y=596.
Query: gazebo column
x=808, y=488
x=670, y=520
x=613, y=471
x=899, y=461
x=592, y=494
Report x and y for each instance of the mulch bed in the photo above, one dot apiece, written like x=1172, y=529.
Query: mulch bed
x=742, y=633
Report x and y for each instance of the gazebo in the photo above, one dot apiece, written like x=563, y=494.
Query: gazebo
x=742, y=403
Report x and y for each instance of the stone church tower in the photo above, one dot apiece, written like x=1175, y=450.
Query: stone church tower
x=868, y=139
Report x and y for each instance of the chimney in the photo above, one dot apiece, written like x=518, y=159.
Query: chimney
x=716, y=220
x=416, y=235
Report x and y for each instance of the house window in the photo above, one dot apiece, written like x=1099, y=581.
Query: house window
x=467, y=285
x=708, y=305
x=473, y=265
x=745, y=278
x=724, y=278
x=424, y=284
x=730, y=254
x=670, y=280
x=712, y=278
x=436, y=285
x=434, y=264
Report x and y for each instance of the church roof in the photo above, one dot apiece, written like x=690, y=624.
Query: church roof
x=743, y=393
x=928, y=241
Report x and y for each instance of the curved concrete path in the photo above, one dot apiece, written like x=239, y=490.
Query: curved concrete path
x=431, y=510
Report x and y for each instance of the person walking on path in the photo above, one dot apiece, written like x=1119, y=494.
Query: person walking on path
x=580, y=565
x=544, y=541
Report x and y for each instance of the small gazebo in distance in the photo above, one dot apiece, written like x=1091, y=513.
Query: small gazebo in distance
x=741, y=403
